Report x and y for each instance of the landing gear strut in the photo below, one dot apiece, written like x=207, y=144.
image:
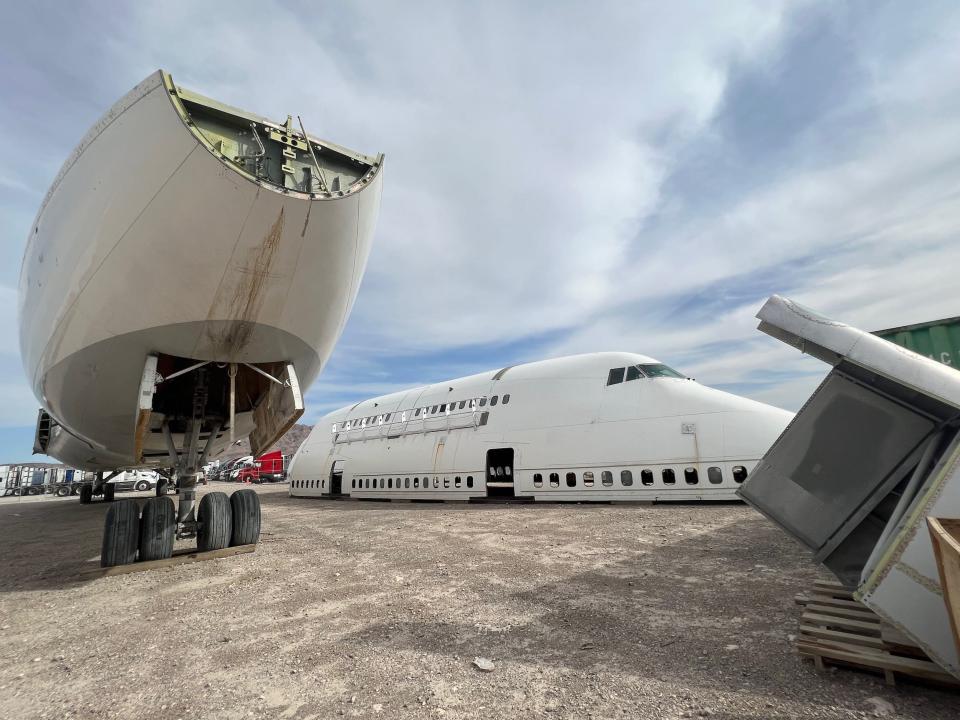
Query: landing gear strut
x=220, y=521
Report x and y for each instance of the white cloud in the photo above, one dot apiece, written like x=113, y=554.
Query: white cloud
x=529, y=152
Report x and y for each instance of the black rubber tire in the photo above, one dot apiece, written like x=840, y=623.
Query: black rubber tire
x=33, y=491
x=109, y=489
x=121, y=534
x=245, y=506
x=86, y=493
x=141, y=486
x=158, y=524
x=63, y=490
x=214, y=522
x=161, y=487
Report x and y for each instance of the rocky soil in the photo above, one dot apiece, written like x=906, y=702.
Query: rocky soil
x=403, y=610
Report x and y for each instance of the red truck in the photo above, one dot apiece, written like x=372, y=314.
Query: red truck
x=266, y=468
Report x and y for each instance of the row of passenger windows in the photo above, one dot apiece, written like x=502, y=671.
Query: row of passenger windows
x=405, y=483
x=428, y=410
x=635, y=372
x=307, y=483
x=669, y=477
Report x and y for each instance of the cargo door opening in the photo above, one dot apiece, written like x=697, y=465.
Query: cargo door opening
x=336, y=478
x=500, y=473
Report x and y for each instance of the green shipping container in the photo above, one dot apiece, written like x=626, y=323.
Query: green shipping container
x=938, y=340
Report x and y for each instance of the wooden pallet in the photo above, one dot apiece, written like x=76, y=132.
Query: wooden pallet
x=180, y=557
x=836, y=629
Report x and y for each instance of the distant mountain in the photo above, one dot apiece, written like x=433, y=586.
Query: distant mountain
x=288, y=444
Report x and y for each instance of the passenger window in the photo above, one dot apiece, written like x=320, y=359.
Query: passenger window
x=554, y=480
x=415, y=414
x=368, y=483
x=626, y=478
x=456, y=481
x=615, y=376
x=436, y=482
x=446, y=482
x=462, y=403
x=493, y=400
x=483, y=401
x=506, y=398
x=443, y=408
x=469, y=481
x=406, y=483
x=715, y=475
x=433, y=410
x=633, y=373
x=739, y=474
x=390, y=483
x=416, y=482
x=691, y=476
x=646, y=477
x=537, y=480
x=606, y=477
x=588, y=479
x=669, y=477
x=571, y=479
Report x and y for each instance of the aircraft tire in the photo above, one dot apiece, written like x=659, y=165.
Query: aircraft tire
x=214, y=522
x=121, y=533
x=161, y=487
x=245, y=507
x=86, y=493
x=157, y=526
x=109, y=489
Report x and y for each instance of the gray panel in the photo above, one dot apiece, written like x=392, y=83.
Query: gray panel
x=838, y=451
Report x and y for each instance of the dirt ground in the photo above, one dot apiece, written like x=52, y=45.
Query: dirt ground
x=370, y=609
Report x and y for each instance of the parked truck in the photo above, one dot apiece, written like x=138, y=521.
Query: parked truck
x=269, y=467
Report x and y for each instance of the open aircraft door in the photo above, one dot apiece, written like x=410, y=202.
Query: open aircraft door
x=872, y=453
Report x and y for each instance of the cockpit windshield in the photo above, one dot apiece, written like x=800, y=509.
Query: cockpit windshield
x=659, y=370
x=635, y=372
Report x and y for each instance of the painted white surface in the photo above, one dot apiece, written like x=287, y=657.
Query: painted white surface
x=562, y=417
x=145, y=229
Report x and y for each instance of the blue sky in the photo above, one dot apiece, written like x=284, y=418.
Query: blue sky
x=563, y=177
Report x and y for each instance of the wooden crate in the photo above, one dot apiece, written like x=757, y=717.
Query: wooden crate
x=836, y=629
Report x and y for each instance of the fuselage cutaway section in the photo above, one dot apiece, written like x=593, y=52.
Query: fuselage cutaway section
x=598, y=427
x=186, y=235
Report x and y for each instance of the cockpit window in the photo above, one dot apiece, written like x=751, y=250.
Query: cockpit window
x=633, y=373
x=615, y=376
x=659, y=370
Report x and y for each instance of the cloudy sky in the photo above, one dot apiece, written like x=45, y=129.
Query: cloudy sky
x=561, y=177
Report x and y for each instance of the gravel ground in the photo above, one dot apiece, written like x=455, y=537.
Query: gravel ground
x=370, y=609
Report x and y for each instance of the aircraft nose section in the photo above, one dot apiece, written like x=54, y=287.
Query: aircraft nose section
x=748, y=434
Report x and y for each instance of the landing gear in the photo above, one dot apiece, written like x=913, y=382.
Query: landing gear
x=214, y=522
x=86, y=494
x=245, y=512
x=121, y=534
x=157, y=529
x=108, y=492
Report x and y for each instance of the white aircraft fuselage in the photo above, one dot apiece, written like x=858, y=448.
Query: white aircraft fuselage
x=179, y=232
x=603, y=426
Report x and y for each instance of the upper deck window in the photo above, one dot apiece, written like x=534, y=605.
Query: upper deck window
x=615, y=376
x=659, y=370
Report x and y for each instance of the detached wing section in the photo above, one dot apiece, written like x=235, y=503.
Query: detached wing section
x=872, y=453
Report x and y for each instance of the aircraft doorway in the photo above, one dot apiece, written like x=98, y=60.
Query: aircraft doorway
x=500, y=473
x=336, y=478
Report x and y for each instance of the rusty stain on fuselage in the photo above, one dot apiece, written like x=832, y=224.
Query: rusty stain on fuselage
x=243, y=306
